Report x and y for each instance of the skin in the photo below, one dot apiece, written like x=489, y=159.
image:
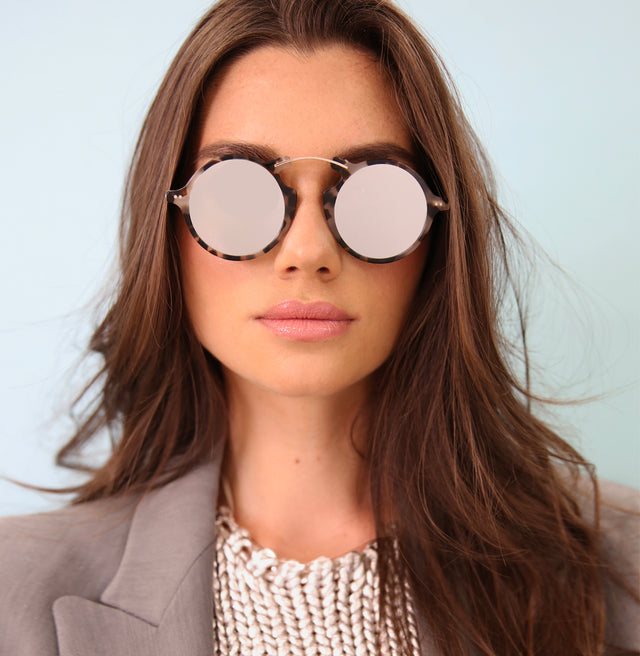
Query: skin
x=297, y=483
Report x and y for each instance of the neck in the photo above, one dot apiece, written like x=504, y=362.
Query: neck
x=297, y=479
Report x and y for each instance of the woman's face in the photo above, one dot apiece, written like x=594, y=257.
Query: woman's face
x=307, y=318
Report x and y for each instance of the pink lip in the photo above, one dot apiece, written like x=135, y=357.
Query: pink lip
x=305, y=322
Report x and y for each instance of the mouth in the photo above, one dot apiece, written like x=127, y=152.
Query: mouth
x=305, y=322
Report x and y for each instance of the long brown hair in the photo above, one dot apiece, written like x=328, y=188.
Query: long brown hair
x=476, y=489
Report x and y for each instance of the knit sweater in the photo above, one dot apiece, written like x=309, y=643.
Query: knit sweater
x=266, y=605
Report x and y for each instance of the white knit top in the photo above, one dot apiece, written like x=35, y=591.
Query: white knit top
x=268, y=606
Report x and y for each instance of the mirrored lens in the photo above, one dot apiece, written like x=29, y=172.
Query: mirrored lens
x=236, y=207
x=381, y=211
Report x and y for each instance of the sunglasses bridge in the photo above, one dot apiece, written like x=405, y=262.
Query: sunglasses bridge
x=335, y=174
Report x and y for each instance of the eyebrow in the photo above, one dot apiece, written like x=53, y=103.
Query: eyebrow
x=219, y=149
x=378, y=150
x=359, y=153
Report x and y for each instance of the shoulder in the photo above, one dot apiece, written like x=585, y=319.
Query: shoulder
x=620, y=520
x=618, y=516
x=42, y=557
x=620, y=541
x=136, y=550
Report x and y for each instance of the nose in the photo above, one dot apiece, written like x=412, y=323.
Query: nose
x=309, y=248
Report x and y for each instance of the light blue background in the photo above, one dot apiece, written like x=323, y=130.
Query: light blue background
x=551, y=87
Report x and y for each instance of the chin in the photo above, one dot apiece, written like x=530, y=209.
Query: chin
x=308, y=383
x=312, y=387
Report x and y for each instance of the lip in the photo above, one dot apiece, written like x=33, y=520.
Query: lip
x=305, y=322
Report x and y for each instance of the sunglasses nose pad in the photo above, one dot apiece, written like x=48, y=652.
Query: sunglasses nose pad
x=290, y=199
x=329, y=200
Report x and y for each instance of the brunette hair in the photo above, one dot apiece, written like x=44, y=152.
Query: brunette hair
x=489, y=533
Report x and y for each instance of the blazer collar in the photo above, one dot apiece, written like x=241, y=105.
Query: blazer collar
x=160, y=599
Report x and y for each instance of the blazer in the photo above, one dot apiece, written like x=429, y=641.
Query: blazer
x=133, y=577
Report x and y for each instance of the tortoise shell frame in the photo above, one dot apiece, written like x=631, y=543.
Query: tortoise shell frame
x=345, y=168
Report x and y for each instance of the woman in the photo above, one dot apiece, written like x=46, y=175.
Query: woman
x=319, y=444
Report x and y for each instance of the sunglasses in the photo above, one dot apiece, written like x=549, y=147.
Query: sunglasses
x=238, y=207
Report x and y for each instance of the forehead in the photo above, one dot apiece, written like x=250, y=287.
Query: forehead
x=317, y=103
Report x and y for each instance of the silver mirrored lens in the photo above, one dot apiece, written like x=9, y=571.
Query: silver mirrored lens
x=236, y=207
x=380, y=211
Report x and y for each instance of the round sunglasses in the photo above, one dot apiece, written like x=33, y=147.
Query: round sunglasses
x=238, y=207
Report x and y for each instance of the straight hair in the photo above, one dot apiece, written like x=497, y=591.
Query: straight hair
x=474, y=497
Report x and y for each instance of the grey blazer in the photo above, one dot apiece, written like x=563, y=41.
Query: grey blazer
x=116, y=578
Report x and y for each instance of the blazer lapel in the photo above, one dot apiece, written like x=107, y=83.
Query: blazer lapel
x=159, y=603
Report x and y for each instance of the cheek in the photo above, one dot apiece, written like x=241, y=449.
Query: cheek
x=391, y=289
x=206, y=283
x=398, y=281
